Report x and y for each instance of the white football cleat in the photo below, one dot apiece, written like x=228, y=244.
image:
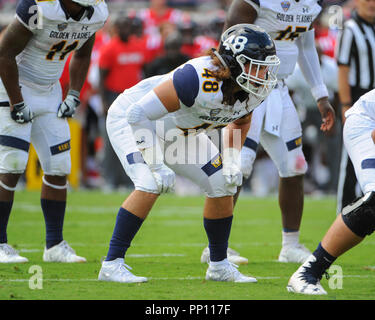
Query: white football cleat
x=117, y=271
x=226, y=271
x=232, y=255
x=9, y=255
x=302, y=281
x=62, y=252
x=297, y=254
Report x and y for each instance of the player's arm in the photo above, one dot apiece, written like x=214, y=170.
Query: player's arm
x=78, y=68
x=232, y=130
x=234, y=138
x=242, y=11
x=79, y=65
x=345, y=94
x=308, y=61
x=13, y=42
x=153, y=106
x=343, y=55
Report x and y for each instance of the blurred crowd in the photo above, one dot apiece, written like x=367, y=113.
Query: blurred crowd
x=139, y=42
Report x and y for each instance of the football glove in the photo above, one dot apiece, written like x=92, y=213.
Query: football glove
x=231, y=167
x=21, y=113
x=247, y=160
x=68, y=107
x=165, y=178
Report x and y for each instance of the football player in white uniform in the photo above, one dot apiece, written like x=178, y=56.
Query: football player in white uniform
x=165, y=114
x=357, y=220
x=33, y=51
x=275, y=124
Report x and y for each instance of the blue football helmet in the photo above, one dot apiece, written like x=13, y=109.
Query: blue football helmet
x=249, y=52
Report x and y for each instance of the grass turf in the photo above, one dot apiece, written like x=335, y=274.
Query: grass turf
x=167, y=249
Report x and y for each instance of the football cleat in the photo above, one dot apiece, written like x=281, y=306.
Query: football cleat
x=61, y=252
x=297, y=254
x=9, y=255
x=117, y=271
x=304, y=282
x=226, y=271
x=232, y=255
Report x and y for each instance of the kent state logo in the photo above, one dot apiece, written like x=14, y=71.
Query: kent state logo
x=217, y=162
x=214, y=112
x=285, y=5
x=62, y=26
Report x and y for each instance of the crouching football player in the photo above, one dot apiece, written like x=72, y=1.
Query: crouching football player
x=216, y=90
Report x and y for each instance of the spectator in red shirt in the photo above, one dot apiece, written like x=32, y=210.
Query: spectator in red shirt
x=120, y=67
x=159, y=12
x=123, y=55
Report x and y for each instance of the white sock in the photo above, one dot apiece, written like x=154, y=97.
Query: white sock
x=290, y=239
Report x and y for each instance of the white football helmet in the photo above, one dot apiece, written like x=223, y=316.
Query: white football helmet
x=86, y=3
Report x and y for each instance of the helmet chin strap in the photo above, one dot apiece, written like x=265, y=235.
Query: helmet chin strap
x=220, y=58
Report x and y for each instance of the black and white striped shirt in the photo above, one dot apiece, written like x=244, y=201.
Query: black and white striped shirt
x=356, y=48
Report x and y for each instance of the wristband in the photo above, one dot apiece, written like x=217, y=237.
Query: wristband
x=319, y=92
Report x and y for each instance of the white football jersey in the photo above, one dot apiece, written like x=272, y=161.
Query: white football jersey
x=285, y=20
x=56, y=35
x=200, y=97
x=365, y=106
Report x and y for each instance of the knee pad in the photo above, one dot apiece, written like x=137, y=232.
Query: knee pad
x=293, y=166
x=359, y=216
x=12, y=160
x=57, y=165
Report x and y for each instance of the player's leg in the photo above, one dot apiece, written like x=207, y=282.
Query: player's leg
x=50, y=137
x=356, y=220
x=135, y=208
x=217, y=223
x=14, y=147
x=205, y=169
x=286, y=152
x=248, y=155
x=249, y=149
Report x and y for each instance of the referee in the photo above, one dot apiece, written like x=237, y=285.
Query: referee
x=356, y=62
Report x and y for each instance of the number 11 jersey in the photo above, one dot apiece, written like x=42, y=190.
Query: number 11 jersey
x=55, y=35
x=285, y=21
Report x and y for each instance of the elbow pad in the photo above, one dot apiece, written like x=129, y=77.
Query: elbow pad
x=149, y=107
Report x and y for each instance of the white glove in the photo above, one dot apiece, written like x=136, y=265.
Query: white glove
x=21, y=113
x=247, y=160
x=68, y=107
x=231, y=167
x=165, y=178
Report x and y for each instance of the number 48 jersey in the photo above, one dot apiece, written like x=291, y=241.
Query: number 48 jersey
x=285, y=21
x=55, y=36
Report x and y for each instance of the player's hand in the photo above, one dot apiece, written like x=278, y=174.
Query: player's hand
x=247, y=161
x=232, y=168
x=21, y=113
x=68, y=107
x=327, y=113
x=165, y=178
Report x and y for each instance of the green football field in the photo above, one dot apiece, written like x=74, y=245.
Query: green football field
x=167, y=251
